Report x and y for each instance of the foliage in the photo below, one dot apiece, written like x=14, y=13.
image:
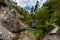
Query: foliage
x=49, y=12
x=24, y=13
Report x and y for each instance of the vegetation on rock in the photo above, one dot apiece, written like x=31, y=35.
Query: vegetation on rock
x=49, y=12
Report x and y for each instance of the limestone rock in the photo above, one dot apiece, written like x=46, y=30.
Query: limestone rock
x=9, y=19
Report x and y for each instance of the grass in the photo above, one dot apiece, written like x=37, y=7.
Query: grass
x=35, y=32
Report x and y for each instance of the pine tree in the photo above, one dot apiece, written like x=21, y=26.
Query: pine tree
x=32, y=9
x=37, y=5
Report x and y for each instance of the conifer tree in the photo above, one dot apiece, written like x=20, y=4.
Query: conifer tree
x=37, y=5
x=32, y=10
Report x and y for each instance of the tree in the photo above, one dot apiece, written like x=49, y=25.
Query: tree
x=37, y=5
x=41, y=16
x=32, y=10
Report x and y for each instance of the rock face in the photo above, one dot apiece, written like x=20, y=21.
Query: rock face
x=9, y=19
